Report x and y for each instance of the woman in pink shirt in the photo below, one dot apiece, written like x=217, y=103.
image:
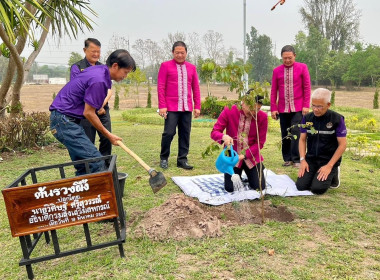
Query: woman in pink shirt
x=247, y=139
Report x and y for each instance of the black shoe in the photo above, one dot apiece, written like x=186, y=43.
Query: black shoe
x=164, y=164
x=335, y=183
x=184, y=165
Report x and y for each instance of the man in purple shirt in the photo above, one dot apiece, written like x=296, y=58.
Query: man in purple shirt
x=290, y=100
x=92, y=55
x=80, y=98
x=326, y=143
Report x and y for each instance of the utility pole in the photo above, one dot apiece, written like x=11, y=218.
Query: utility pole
x=245, y=76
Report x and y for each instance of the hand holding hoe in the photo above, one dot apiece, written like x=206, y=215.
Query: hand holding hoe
x=157, y=180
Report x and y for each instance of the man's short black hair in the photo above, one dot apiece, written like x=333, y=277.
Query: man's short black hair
x=179, y=44
x=288, y=48
x=122, y=58
x=91, y=40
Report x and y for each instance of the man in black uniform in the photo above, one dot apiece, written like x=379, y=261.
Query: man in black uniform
x=92, y=54
x=319, y=168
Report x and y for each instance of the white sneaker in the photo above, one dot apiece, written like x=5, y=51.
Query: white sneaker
x=335, y=183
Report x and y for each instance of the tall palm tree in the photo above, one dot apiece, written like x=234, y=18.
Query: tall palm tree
x=20, y=21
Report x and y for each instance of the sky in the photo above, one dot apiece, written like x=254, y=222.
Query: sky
x=155, y=19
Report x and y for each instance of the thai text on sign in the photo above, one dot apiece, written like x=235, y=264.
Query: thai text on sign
x=62, y=203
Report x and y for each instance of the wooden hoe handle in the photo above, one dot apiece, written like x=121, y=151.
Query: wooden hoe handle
x=132, y=154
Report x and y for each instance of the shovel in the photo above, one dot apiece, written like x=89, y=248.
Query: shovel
x=157, y=180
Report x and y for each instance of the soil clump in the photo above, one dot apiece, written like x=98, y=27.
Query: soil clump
x=182, y=217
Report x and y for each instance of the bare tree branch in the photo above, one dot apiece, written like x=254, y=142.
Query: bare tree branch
x=337, y=20
x=213, y=42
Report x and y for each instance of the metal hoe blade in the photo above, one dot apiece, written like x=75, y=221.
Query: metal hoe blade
x=157, y=180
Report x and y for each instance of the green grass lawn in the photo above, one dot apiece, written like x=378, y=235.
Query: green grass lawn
x=335, y=236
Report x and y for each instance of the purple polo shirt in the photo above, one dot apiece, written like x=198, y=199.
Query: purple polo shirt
x=75, y=68
x=89, y=86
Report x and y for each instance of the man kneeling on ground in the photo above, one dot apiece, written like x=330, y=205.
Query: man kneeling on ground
x=319, y=168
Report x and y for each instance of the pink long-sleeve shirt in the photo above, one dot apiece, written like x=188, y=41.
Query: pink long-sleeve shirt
x=178, y=86
x=290, y=88
x=243, y=130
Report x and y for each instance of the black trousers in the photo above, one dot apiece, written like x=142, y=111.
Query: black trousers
x=309, y=181
x=289, y=149
x=183, y=121
x=105, y=146
x=252, y=174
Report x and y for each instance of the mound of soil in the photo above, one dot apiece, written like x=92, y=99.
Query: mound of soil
x=181, y=217
x=178, y=218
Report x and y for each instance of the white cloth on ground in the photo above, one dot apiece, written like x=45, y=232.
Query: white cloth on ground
x=209, y=189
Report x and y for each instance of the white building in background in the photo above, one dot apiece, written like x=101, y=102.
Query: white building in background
x=40, y=79
x=57, y=81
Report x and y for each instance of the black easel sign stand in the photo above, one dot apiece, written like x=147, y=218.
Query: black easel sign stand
x=39, y=208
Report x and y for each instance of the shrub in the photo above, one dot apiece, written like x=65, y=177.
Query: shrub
x=117, y=98
x=212, y=107
x=273, y=125
x=376, y=99
x=26, y=130
x=362, y=122
x=332, y=101
x=149, y=100
x=362, y=147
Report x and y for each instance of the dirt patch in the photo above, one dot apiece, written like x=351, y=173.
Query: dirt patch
x=179, y=217
x=246, y=212
x=182, y=217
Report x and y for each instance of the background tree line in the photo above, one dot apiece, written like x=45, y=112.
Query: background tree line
x=328, y=44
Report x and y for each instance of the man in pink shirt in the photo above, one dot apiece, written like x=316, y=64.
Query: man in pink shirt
x=177, y=88
x=290, y=100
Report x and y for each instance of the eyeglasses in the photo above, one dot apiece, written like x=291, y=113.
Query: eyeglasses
x=318, y=107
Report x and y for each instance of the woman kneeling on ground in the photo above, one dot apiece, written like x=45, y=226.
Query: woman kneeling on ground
x=246, y=129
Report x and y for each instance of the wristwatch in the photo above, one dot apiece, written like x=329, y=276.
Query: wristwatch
x=302, y=158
